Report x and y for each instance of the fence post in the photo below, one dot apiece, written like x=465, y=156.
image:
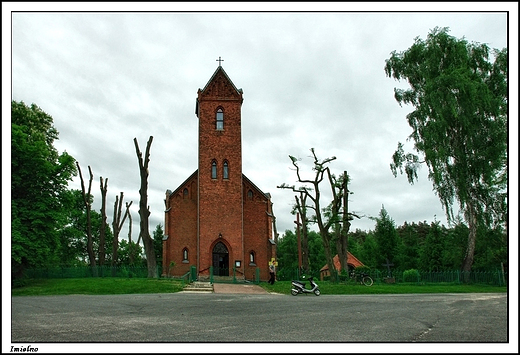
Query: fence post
x=257, y=275
x=211, y=274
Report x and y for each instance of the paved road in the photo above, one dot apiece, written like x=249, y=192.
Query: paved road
x=232, y=317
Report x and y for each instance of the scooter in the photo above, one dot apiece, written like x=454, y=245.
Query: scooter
x=299, y=287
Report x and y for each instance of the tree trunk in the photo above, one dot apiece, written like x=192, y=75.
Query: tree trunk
x=302, y=209
x=130, y=251
x=144, y=209
x=86, y=200
x=102, y=229
x=342, y=245
x=472, y=236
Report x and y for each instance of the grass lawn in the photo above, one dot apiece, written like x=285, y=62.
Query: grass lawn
x=109, y=286
x=96, y=286
x=328, y=288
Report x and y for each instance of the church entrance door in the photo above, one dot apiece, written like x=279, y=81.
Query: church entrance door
x=220, y=260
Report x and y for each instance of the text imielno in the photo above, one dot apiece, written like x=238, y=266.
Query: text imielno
x=23, y=349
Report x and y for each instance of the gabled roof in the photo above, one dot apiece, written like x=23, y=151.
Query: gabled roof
x=220, y=69
x=244, y=179
x=351, y=260
x=267, y=196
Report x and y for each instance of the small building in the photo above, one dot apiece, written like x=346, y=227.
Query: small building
x=352, y=263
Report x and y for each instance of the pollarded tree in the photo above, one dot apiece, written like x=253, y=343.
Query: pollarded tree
x=144, y=209
x=333, y=216
x=39, y=179
x=459, y=125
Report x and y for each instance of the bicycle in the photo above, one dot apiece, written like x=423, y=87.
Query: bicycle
x=363, y=278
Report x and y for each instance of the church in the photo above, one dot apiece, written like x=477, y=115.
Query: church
x=218, y=220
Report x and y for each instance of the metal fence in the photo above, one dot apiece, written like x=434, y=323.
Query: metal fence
x=88, y=271
x=493, y=277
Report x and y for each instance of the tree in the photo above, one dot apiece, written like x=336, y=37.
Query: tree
x=301, y=208
x=158, y=235
x=459, y=125
x=144, y=209
x=431, y=257
x=323, y=221
x=102, y=231
x=117, y=224
x=386, y=237
x=88, y=206
x=39, y=179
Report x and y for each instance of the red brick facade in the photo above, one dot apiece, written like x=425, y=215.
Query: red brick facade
x=218, y=217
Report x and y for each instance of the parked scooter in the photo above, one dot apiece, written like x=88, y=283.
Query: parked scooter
x=299, y=287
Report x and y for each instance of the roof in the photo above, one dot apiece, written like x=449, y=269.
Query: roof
x=220, y=69
x=351, y=260
x=244, y=179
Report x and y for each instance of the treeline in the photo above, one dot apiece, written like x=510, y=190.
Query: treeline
x=421, y=246
x=50, y=225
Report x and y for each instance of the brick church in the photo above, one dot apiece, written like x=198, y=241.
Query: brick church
x=218, y=220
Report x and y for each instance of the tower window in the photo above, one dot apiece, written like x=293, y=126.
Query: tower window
x=226, y=170
x=220, y=119
x=213, y=169
x=252, y=258
x=185, y=254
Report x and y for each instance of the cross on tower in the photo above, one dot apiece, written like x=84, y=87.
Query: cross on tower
x=219, y=60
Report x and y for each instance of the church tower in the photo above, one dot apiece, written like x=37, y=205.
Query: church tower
x=218, y=221
x=218, y=109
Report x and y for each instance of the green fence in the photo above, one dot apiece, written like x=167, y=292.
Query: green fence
x=88, y=271
x=492, y=277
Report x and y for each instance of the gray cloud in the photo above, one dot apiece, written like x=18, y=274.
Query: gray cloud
x=309, y=80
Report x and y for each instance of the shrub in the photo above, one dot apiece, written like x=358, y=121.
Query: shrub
x=411, y=275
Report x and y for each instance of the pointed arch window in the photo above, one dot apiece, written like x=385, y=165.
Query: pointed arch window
x=252, y=258
x=213, y=169
x=185, y=255
x=220, y=119
x=225, y=170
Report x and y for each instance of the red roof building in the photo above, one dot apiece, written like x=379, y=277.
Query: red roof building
x=352, y=262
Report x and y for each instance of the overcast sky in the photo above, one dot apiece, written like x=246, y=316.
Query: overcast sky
x=310, y=80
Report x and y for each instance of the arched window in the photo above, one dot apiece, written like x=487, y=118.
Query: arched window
x=220, y=119
x=250, y=194
x=226, y=170
x=185, y=254
x=251, y=257
x=185, y=193
x=213, y=169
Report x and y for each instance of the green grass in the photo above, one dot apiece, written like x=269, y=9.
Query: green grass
x=328, y=288
x=112, y=286
x=96, y=286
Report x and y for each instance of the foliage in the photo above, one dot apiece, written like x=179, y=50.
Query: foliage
x=39, y=177
x=386, y=237
x=431, y=253
x=411, y=275
x=158, y=243
x=459, y=125
x=126, y=249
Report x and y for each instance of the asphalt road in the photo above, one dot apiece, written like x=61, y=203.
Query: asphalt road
x=244, y=318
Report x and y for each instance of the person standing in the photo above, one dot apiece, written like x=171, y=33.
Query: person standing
x=272, y=271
